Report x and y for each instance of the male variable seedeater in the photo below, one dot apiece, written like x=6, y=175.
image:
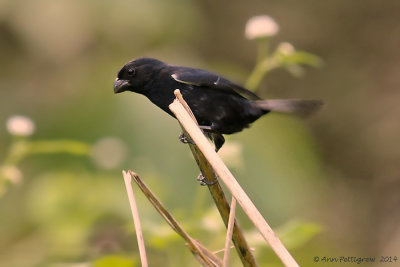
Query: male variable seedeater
x=219, y=105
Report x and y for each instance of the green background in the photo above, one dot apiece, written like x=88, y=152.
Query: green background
x=329, y=184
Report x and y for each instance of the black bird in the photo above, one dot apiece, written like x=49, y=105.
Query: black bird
x=219, y=105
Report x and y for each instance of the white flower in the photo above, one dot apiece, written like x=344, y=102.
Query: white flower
x=20, y=125
x=261, y=27
x=109, y=152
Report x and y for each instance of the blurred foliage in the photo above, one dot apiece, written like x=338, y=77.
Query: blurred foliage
x=68, y=217
x=284, y=57
x=295, y=234
x=117, y=261
x=63, y=201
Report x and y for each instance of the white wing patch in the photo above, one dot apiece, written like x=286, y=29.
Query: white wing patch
x=175, y=77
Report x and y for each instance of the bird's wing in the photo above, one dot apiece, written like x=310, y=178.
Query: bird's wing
x=198, y=77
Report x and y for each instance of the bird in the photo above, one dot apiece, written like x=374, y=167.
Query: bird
x=220, y=106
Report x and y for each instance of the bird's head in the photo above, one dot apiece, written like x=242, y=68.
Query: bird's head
x=136, y=74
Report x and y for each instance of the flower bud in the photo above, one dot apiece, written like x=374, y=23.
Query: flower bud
x=261, y=27
x=20, y=125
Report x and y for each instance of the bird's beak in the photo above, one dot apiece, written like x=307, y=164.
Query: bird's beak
x=120, y=86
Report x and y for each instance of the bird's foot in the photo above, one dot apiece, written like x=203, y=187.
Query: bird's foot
x=205, y=128
x=185, y=139
x=203, y=181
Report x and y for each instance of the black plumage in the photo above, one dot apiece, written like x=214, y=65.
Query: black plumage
x=219, y=105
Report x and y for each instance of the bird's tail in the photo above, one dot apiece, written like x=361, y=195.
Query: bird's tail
x=299, y=107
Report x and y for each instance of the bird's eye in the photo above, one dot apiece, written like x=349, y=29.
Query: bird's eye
x=131, y=72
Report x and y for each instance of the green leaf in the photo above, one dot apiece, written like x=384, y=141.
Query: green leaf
x=301, y=57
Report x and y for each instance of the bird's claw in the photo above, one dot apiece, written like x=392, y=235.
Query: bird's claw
x=203, y=181
x=184, y=139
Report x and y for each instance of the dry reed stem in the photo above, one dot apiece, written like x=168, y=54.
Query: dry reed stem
x=229, y=233
x=136, y=219
x=239, y=241
x=205, y=256
x=226, y=176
